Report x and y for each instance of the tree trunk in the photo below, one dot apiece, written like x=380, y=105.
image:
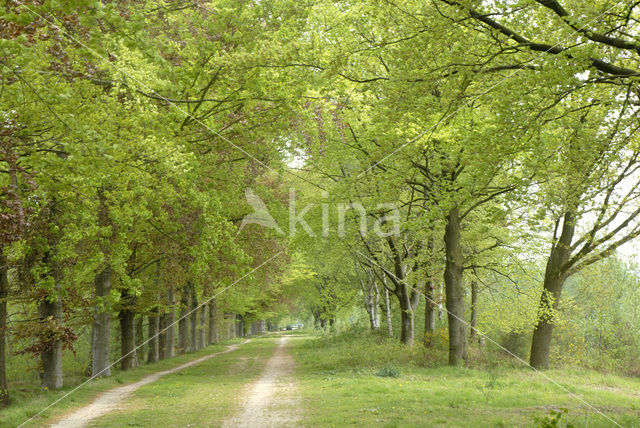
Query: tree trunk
x=162, y=336
x=239, y=326
x=127, y=319
x=213, y=312
x=408, y=303
x=153, y=355
x=554, y=279
x=101, y=331
x=439, y=300
x=183, y=326
x=139, y=340
x=4, y=294
x=387, y=311
x=430, y=309
x=371, y=297
x=454, y=290
x=51, y=307
x=193, y=321
x=169, y=320
x=473, y=334
x=201, y=326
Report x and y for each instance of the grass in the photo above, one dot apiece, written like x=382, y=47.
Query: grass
x=362, y=380
x=201, y=396
x=28, y=400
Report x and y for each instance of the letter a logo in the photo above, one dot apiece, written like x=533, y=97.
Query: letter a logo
x=260, y=213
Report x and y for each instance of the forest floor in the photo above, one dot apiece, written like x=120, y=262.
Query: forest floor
x=356, y=380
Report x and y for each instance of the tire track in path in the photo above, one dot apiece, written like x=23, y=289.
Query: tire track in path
x=270, y=400
x=109, y=400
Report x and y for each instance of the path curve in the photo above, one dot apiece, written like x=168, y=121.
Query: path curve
x=109, y=400
x=270, y=401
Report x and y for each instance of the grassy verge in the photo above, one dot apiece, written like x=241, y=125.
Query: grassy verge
x=28, y=401
x=369, y=380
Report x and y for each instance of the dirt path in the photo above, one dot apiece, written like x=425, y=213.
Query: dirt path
x=109, y=400
x=270, y=401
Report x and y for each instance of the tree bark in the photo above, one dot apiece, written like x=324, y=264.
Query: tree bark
x=430, y=309
x=387, y=311
x=153, y=355
x=371, y=297
x=169, y=319
x=4, y=294
x=51, y=307
x=101, y=331
x=183, y=326
x=127, y=319
x=454, y=290
x=554, y=279
x=408, y=302
x=239, y=326
x=201, y=326
x=193, y=321
x=139, y=340
x=162, y=336
x=213, y=334
x=473, y=333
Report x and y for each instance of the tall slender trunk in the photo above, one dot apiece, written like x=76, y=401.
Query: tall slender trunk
x=101, y=331
x=387, y=310
x=51, y=308
x=193, y=320
x=154, y=321
x=439, y=300
x=408, y=302
x=454, y=290
x=4, y=294
x=139, y=340
x=239, y=326
x=162, y=336
x=127, y=319
x=202, y=321
x=473, y=333
x=371, y=297
x=169, y=319
x=183, y=325
x=430, y=309
x=213, y=312
x=376, y=304
x=554, y=279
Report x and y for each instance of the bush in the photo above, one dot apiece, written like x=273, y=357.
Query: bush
x=389, y=370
